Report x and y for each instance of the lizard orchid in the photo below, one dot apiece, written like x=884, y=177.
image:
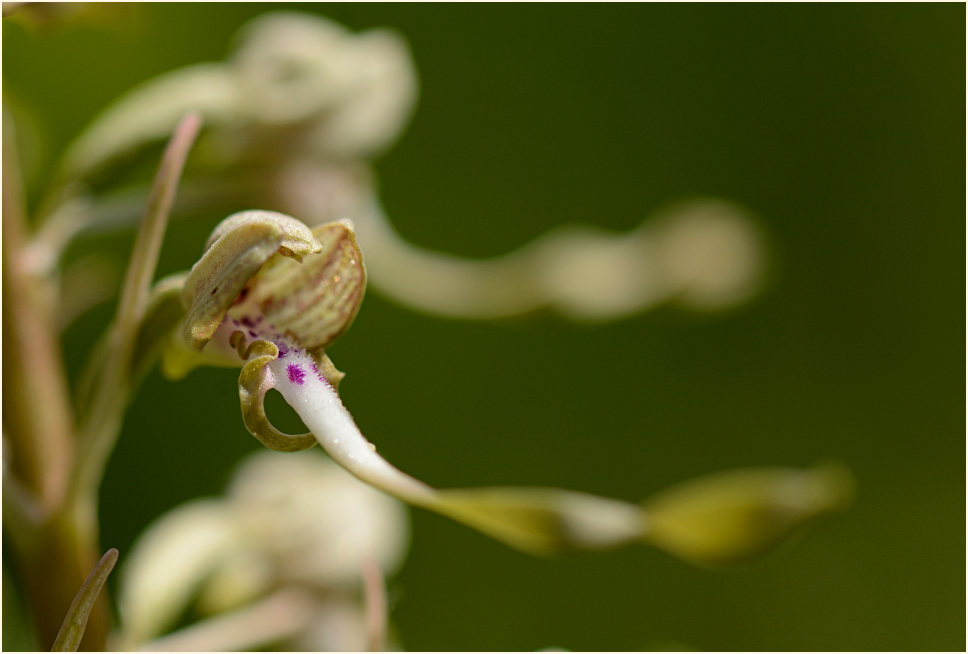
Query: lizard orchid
x=271, y=295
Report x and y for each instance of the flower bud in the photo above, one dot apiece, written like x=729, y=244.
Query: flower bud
x=730, y=516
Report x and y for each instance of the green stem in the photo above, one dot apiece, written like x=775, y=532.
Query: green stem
x=37, y=412
x=39, y=423
x=102, y=423
x=22, y=516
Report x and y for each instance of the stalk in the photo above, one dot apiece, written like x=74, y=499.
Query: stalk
x=39, y=426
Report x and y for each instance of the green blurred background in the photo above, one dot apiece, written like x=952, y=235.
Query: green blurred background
x=840, y=126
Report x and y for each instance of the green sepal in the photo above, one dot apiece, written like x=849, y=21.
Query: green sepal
x=177, y=360
x=161, y=318
x=237, y=249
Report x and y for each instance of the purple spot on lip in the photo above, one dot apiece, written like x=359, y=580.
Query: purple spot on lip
x=283, y=350
x=252, y=334
x=296, y=374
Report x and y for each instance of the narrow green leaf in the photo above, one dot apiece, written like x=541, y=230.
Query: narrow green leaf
x=75, y=622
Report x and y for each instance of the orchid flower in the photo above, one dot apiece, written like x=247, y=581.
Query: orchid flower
x=271, y=295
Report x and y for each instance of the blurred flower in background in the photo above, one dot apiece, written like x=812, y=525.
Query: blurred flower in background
x=292, y=121
x=279, y=560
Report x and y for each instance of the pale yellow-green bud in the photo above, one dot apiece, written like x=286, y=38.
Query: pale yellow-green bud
x=730, y=516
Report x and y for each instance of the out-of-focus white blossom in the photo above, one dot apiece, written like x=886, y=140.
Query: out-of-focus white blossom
x=293, y=521
x=309, y=103
x=327, y=539
x=297, y=83
x=704, y=255
x=167, y=565
x=355, y=92
x=339, y=626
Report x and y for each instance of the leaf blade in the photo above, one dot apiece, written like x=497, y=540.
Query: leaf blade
x=75, y=622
